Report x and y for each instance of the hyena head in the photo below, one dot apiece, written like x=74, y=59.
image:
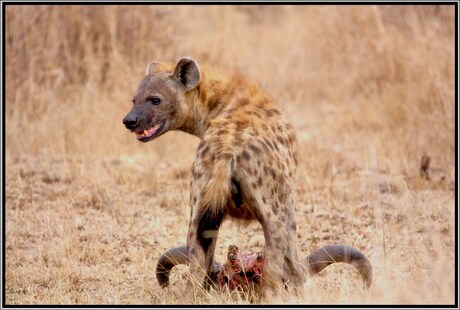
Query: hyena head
x=160, y=99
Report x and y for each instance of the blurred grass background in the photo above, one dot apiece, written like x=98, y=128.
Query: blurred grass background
x=369, y=89
x=385, y=70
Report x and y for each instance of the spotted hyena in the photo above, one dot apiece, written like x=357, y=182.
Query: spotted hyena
x=244, y=166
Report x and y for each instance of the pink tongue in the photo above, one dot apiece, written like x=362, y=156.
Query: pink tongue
x=149, y=132
x=152, y=130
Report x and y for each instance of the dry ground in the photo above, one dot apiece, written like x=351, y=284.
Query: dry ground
x=369, y=89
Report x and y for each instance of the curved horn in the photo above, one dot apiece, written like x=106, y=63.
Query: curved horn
x=173, y=257
x=336, y=253
x=167, y=261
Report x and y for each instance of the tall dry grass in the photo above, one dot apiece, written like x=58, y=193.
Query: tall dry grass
x=369, y=89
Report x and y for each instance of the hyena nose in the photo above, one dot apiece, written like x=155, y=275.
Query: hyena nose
x=131, y=122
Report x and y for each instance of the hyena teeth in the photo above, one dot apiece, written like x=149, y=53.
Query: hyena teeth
x=145, y=132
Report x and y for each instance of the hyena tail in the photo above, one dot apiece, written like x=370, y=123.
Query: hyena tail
x=217, y=191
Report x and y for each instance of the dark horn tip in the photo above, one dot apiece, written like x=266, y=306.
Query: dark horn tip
x=167, y=261
x=173, y=257
x=336, y=253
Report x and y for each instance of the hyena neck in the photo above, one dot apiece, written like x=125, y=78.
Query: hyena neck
x=208, y=101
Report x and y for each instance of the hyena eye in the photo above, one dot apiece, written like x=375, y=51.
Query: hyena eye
x=154, y=100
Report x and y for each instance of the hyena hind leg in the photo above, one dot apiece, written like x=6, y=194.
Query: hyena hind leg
x=275, y=237
x=294, y=271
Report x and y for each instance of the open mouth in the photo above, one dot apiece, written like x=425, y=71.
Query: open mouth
x=148, y=134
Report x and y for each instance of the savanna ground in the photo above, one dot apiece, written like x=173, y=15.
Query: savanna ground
x=369, y=89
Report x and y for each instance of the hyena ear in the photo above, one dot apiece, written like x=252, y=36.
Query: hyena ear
x=187, y=73
x=151, y=67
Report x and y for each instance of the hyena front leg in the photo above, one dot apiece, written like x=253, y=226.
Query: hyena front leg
x=201, y=244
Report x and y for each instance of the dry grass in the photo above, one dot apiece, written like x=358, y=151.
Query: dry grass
x=369, y=89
